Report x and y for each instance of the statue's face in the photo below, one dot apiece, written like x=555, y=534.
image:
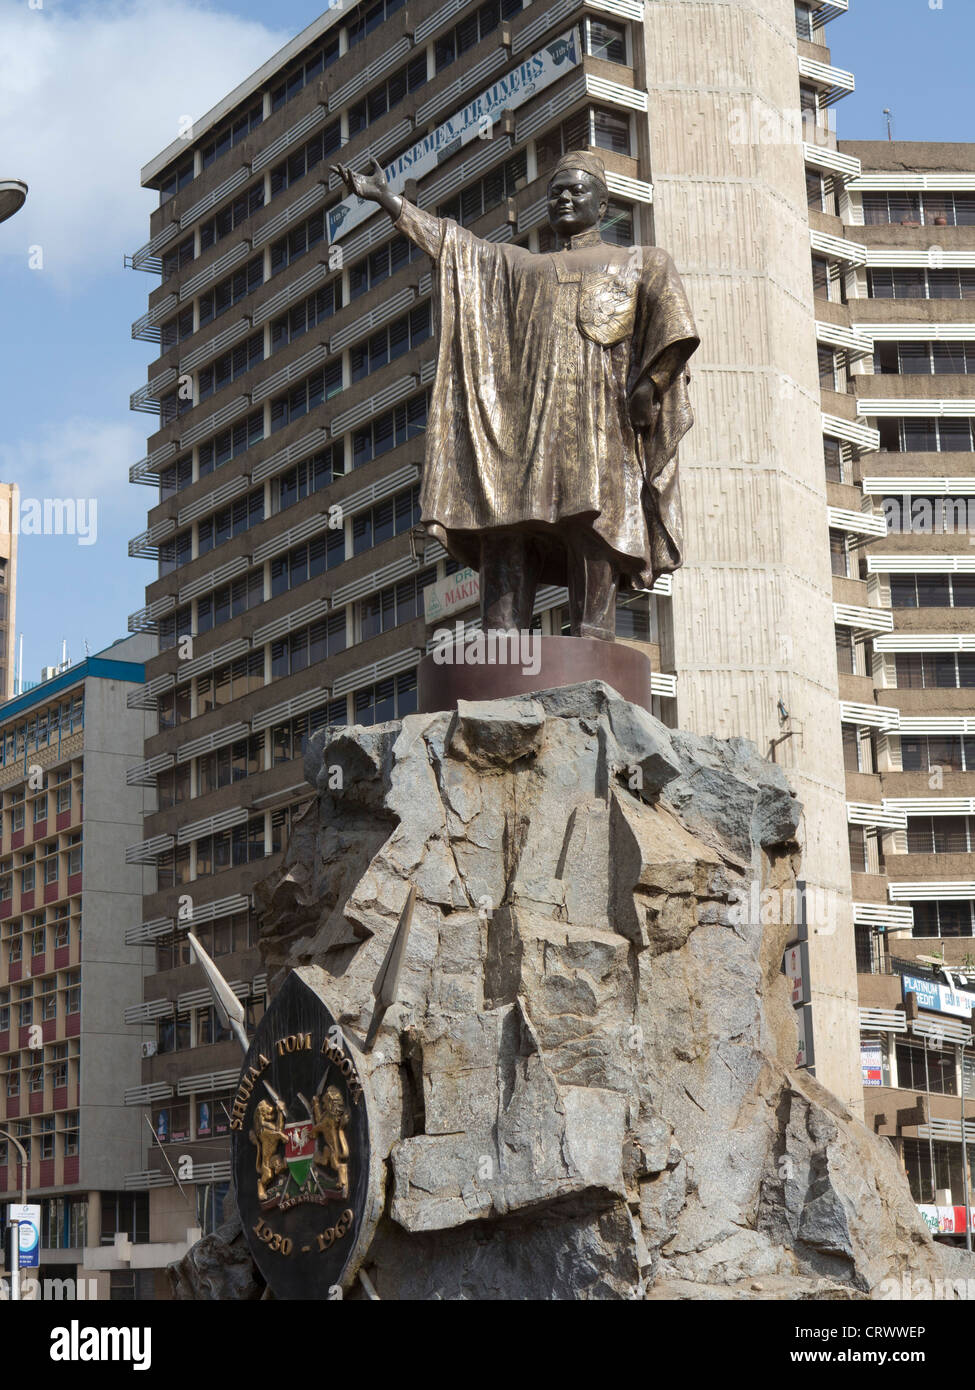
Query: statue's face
x=576, y=202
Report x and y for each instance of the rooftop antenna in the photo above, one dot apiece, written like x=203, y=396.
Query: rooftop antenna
x=20, y=667
x=64, y=652
x=888, y=114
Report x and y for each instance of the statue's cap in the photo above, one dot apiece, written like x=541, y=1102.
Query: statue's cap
x=584, y=160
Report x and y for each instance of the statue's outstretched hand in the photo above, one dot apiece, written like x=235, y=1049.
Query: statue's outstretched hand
x=372, y=186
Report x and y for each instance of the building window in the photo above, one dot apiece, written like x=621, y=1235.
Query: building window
x=924, y=359
x=919, y=209
x=859, y=861
x=827, y=367
x=173, y=261
x=307, y=561
x=815, y=190
x=387, y=94
x=306, y=158
x=174, y=706
x=47, y=1136
x=367, y=17
x=846, y=652
x=821, y=278
x=942, y=918
x=234, y=763
x=308, y=645
x=388, y=431
x=309, y=477
x=936, y=435
x=939, y=834
x=289, y=327
x=230, y=443
x=388, y=699
x=230, y=682
x=321, y=386
x=231, y=291
x=605, y=40
x=177, y=178
x=930, y=751
x=926, y=1069
x=74, y=853
x=386, y=519
x=72, y=992
x=391, y=342
x=905, y=283
x=386, y=260
x=230, y=600
x=464, y=36
x=487, y=192
x=946, y=1175
x=298, y=242
x=838, y=554
x=304, y=73
x=177, y=330
x=594, y=126
x=232, y=132
x=804, y=24
x=231, y=365
x=932, y=590
x=935, y=670
x=230, y=216
x=833, y=459
x=396, y=604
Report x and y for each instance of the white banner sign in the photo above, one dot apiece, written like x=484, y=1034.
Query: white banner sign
x=451, y=595
x=514, y=89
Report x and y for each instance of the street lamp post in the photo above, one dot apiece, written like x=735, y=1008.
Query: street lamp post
x=15, y=1225
x=13, y=192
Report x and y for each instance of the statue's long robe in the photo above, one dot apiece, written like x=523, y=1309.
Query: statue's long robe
x=531, y=424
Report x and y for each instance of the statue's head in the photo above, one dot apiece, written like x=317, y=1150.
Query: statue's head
x=577, y=193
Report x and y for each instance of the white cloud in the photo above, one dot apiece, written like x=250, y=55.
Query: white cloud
x=81, y=457
x=92, y=94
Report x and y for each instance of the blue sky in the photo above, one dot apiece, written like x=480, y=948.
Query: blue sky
x=88, y=99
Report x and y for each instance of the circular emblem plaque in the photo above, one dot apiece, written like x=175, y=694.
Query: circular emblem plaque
x=300, y=1152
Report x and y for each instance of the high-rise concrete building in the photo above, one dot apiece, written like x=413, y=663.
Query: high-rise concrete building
x=295, y=357
x=66, y=897
x=902, y=521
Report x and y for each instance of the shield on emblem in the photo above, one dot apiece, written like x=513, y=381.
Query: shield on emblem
x=299, y=1150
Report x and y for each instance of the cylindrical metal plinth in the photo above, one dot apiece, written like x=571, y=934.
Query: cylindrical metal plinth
x=493, y=666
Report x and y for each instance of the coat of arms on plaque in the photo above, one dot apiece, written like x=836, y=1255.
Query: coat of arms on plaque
x=302, y=1163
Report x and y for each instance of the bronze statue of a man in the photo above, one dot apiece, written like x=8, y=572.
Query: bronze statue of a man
x=559, y=401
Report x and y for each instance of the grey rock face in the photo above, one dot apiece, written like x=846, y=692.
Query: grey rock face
x=586, y=1089
x=217, y=1267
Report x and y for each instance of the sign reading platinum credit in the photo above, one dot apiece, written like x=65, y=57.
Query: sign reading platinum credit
x=514, y=89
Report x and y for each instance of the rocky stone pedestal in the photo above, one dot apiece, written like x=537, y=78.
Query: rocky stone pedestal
x=587, y=1088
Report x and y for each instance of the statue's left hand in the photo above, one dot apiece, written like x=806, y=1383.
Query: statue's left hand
x=645, y=404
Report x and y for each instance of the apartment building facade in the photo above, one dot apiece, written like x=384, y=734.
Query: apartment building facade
x=291, y=384
x=65, y=900
x=904, y=588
